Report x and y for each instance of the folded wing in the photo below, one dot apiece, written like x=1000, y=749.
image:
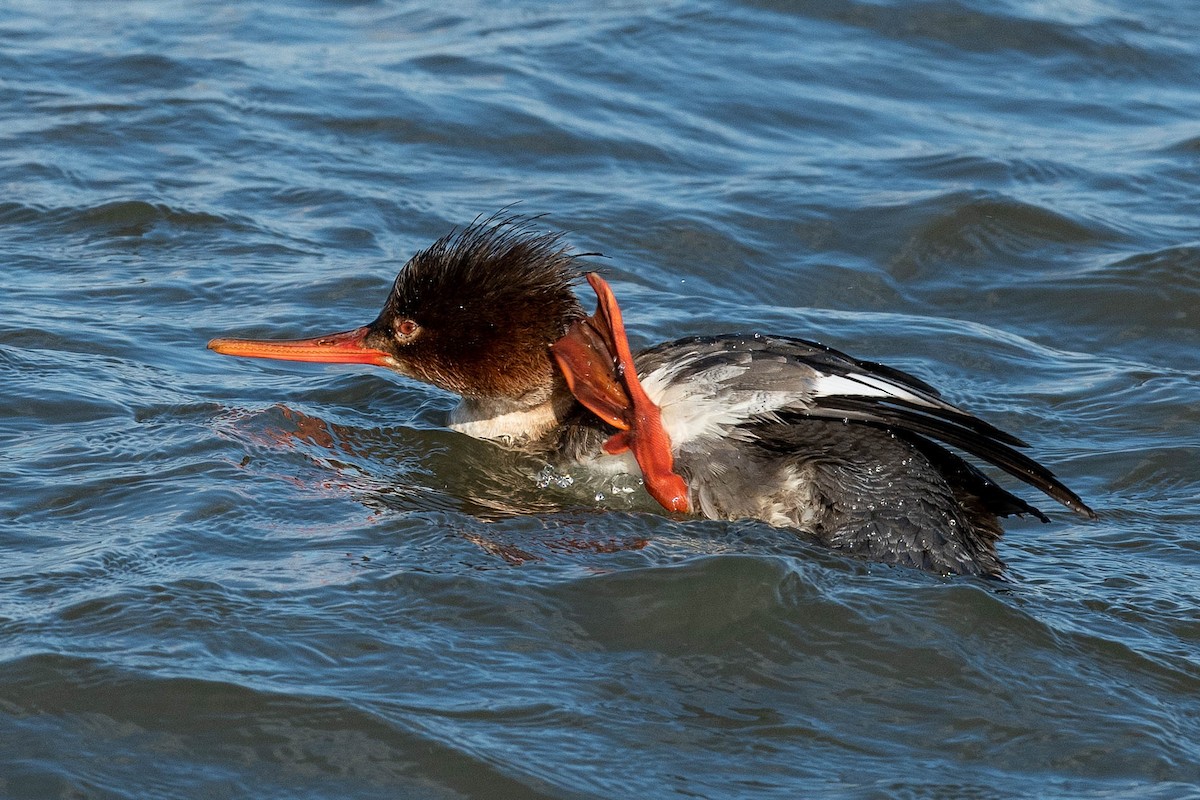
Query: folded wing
x=716, y=386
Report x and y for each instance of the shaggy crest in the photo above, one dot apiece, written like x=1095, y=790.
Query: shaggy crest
x=482, y=306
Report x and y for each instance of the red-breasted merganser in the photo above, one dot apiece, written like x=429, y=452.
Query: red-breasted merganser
x=773, y=428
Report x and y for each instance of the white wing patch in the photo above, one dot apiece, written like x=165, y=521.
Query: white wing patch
x=860, y=385
x=713, y=402
x=716, y=401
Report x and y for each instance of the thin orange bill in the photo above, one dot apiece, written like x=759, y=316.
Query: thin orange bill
x=346, y=347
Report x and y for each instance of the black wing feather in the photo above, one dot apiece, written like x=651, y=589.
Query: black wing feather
x=957, y=429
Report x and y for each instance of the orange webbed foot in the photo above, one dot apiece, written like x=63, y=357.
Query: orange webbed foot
x=597, y=363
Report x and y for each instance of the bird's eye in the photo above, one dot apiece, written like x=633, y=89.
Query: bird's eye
x=406, y=328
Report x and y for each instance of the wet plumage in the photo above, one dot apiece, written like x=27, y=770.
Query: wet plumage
x=798, y=435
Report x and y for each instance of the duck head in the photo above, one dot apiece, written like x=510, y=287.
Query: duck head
x=474, y=314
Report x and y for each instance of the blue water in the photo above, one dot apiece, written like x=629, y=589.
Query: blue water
x=226, y=578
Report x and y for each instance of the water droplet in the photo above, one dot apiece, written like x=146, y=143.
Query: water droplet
x=549, y=477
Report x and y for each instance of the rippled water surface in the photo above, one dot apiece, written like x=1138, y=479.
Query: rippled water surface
x=226, y=578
